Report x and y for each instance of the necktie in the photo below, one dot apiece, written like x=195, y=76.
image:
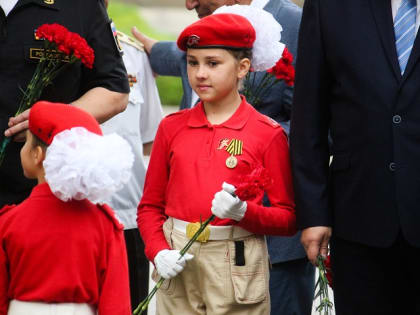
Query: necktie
x=405, y=30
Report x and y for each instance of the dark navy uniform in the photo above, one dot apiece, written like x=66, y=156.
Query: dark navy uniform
x=18, y=59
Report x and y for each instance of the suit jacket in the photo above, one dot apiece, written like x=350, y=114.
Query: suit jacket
x=349, y=81
x=167, y=59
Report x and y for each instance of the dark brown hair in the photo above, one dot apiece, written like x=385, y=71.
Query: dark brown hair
x=241, y=53
x=38, y=142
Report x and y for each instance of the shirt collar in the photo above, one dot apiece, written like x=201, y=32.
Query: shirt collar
x=41, y=190
x=236, y=121
x=259, y=3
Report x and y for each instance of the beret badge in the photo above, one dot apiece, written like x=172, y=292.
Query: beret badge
x=193, y=40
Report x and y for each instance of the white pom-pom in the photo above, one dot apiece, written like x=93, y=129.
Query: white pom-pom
x=82, y=165
x=267, y=48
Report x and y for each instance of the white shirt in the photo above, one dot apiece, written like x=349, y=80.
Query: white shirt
x=137, y=124
x=395, y=4
x=259, y=3
x=254, y=3
x=7, y=5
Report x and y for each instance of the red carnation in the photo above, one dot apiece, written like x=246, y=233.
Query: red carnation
x=328, y=274
x=253, y=185
x=56, y=38
x=67, y=42
x=283, y=69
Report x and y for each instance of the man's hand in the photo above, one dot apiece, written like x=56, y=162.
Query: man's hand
x=315, y=241
x=18, y=126
x=169, y=262
x=146, y=41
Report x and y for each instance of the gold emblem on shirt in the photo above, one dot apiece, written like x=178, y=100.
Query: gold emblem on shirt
x=223, y=144
x=234, y=148
x=231, y=162
x=38, y=53
x=49, y=1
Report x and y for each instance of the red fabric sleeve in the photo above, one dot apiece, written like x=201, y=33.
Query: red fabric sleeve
x=151, y=210
x=279, y=219
x=4, y=281
x=114, y=294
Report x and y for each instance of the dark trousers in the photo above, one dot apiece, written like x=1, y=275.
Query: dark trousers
x=138, y=267
x=292, y=287
x=372, y=281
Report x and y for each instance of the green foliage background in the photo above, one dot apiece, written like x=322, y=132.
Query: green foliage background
x=125, y=16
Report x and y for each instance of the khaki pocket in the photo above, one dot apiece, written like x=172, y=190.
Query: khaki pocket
x=250, y=282
x=168, y=227
x=168, y=285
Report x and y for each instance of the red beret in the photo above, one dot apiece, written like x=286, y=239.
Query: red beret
x=222, y=30
x=47, y=119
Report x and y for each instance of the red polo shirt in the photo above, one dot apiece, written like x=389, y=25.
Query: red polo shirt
x=63, y=252
x=188, y=166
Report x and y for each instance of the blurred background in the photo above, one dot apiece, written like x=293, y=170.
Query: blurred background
x=160, y=19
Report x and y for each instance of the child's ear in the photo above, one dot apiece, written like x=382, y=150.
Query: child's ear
x=244, y=66
x=38, y=155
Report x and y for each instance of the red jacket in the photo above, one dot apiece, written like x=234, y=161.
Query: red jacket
x=63, y=252
x=188, y=166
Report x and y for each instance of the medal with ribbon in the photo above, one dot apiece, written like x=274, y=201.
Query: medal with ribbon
x=234, y=148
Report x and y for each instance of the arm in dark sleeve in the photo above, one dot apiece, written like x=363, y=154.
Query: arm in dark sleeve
x=310, y=123
x=167, y=59
x=108, y=70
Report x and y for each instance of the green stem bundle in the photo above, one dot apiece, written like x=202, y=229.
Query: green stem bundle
x=145, y=303
x=325, y=304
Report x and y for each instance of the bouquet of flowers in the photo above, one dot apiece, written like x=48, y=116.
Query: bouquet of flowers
x=250, y=187
x=321, y=286
x=61, y=49
x=255, y=90
x=269, y=55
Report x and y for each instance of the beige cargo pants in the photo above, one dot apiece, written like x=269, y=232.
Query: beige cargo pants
x=212, y=284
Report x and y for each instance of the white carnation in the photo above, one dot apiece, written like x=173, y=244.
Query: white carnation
x=267, y=48
x=83, y=165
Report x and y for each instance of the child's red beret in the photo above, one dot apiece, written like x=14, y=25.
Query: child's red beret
x=222, y=30
x=47, y=119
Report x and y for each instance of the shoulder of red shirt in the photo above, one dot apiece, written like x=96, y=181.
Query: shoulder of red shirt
x=110, y=214
x=177, y=115
x=268, y=127
x=175, y=121
x=268, y=121
x=6, y=208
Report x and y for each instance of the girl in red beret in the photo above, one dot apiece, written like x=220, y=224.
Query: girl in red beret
x=62, y=251
x=198, y=157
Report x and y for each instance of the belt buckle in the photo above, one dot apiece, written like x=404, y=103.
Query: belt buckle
x=193, y=227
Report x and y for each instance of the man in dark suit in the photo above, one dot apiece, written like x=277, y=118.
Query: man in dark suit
x=358, y=77
x=291, y=276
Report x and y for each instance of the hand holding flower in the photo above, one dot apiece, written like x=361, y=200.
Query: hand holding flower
x=169, y=262
x=226, y=205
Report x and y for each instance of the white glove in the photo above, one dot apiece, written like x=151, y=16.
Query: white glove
x=169, y=263
x=226, y=206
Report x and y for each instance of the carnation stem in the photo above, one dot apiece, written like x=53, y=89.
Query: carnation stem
x=325, y=305
x=143, y=304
